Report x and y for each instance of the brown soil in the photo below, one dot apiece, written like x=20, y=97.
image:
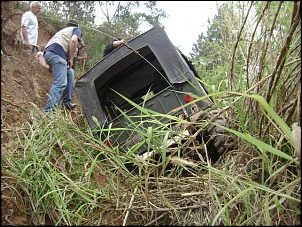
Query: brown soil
x=23, y=81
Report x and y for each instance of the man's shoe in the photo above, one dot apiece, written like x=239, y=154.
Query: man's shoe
x=69, y=106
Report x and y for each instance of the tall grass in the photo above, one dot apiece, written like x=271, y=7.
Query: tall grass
x=64, y=175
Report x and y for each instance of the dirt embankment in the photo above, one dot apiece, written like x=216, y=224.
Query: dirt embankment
x=23, y=81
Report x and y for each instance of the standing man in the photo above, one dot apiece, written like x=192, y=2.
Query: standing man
x=59, y=55
x=29, y=28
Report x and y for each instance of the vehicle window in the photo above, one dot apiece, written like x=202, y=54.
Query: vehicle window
x=144, y=76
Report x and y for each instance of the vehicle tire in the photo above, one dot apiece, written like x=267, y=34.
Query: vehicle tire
x=218, y=140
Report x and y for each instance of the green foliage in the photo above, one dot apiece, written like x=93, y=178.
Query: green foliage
x=250, y=61
x=23, y=5
x=82, y=11
x=212, y=52
x=124, y=19
x=67, y=176
x=253, y=47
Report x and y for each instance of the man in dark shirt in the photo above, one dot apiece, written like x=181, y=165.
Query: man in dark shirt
x=77, y=53
x=112, y=46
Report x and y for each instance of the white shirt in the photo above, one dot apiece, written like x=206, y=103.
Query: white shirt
x=30, y=21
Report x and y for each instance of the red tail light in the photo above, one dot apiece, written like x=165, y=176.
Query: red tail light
x=188, y=98
x=107, y=143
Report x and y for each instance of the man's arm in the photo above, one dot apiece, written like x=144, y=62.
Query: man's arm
x=82, y=45
x=117, y=43
x=80, y=58
x=111, y=46
x=25, y=37
x=24, y=23
x=72, y=49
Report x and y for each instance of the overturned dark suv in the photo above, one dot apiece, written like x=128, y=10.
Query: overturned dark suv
x=149, y=77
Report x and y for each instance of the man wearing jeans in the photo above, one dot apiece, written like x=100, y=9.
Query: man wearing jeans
x=59, y=55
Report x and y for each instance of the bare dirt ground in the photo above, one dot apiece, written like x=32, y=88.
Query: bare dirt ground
x=23, y=81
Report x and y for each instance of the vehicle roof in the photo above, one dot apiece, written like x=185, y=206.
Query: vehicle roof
x=154, y=42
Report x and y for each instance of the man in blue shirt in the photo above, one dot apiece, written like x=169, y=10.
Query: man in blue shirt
x=59, y=55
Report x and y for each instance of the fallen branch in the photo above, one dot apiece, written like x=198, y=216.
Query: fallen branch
x=9, y=102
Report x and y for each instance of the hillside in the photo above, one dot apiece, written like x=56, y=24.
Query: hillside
x=23, y=81
x=54, y=174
